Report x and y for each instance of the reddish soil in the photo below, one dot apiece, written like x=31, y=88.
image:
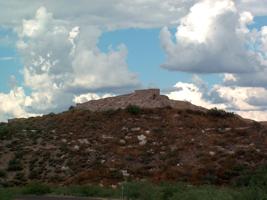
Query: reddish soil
x=164, y=144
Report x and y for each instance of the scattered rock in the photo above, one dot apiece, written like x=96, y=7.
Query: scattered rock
x=76, y=147
x=212, y=153
x=135, y=129
x=125, y=173
x=122, y=142
x=142, y=139
x=64, y=140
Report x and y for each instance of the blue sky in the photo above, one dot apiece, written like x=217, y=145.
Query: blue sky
x=195, y=51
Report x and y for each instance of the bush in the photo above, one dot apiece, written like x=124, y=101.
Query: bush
x=257, y=178
x=2, y=173
x=220, y=113
x=14, y=165
x=86, y=191
x=37, y=189
x=141, y=190
x=71, y=108
x=4, y=131
x=132, y=109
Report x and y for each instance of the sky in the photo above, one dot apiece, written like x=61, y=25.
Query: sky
x=54, y=54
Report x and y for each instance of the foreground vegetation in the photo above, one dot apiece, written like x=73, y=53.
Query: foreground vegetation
x=249, y=186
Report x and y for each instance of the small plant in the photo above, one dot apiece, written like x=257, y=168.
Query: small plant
x=132, y=109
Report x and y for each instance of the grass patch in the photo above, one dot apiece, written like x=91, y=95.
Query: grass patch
x=37, y=189
x=249, y=186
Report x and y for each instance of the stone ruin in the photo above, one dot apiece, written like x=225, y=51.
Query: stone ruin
x=150, y=98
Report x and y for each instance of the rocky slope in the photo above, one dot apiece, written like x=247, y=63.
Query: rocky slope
x=160, y=144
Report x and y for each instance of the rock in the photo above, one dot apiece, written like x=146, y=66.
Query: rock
x=76, y=147
x=212, y=153
x=114, y=186
x=64, y=140
x=135, y=129
x=124, y=128
x=142, y=139
x=142, y=142
x=125, y=173
x=122, y=141
x=64, y=168
x=127, y=137
x=83, y=141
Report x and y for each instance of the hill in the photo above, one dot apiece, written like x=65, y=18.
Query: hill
x=161, y=143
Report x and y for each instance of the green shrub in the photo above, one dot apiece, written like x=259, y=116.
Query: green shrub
x=86, y=191
x=132, y=109
x=203, y=193
x=4, y=131
x=257, y=178
x=141, y=190
x=219, y=113
x=251, y=193
x=14, y=165
x=37, y=189
x=168, y=190
x=3, y=173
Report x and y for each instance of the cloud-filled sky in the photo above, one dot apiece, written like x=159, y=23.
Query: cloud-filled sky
x=54, y=54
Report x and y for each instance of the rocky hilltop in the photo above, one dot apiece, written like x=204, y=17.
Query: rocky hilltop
x=149, y=98
x=150, y=138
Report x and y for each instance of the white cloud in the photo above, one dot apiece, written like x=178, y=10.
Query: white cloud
x=256, y=7
x=249, y=102
x=111, y=14
x=62, y=61
x=13, y=104
x=90, y=96
x=6, y=58
x=213, y=38
x=191, y=93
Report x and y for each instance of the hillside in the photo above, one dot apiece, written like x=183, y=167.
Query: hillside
x=107, y=147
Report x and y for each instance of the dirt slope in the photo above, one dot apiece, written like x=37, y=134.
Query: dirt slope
x=163, y=144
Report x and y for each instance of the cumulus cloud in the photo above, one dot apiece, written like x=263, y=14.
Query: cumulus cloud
x=257, y=78
x=114, y=14
x=90, y=96
x=213, y=38
x=256, y=7
x=111, y=14
x=14, y=104
x=192, y=93
x=249, y=102
x=62, y=61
